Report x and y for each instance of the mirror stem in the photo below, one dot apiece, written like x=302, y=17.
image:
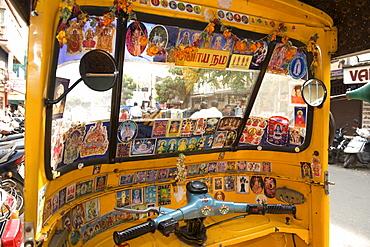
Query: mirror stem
x=52, y=102
x=338, y=97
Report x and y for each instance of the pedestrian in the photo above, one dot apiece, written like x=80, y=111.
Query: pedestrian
x=135, y=112
x=201, y=110
x=213, y=111
x=228, y=111
x=124, y=115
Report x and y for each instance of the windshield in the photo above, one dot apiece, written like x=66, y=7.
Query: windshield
x=177, y=98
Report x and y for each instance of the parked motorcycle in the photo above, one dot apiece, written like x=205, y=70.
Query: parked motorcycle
x=339, y=143
x=358, y=149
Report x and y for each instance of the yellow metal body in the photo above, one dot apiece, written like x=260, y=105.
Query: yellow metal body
x=311, y=225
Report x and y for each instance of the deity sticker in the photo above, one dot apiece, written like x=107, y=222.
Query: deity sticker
x=127, y=131
x=230, y=166
x=159, y=128
x=71, y=193
x=296, y=94
x=84, y=188
x=221, y=166
x=73, y=143
x=219, y=195
x=187, y=127
x=229, y=183
x=61, y=85
x=140, y=176
x=253, y=130
x=137, y=196
x=47, y=210
x=218, y=183
x=203, y=168
x=158, y=37
x=172, y=146
x=150, y=194
x=295, y=136
x=164, y=194
x=298, y=66
x=123, y=149
x=212, y=167
x=143, y=146
x=136, y=31
x=96, y=141
x=106, y=35
x=151, y=175
x=200, y=126
x=162, y=173
x=230, y=138
x=242, y=184
x=161, y=146
x=211, y=126
x=277, y=131
x=229, y=123
x=256, y=184
x=57, y=143
x=220, y=139
x=316, y=167
x=172, y=172
x=193, y=170
x=209, y=141
x=92, y=209
x=78, y=216
x=242, y=165
x=96, y=169
x=270, y=187
x=279, y=63
x=126, y=179
x=90, y=39
x=240, y=61
x=253, y=167
x=182, y=145
x=74, y=43
x=55, y=202
x=259, y=55
x=306, y=170
x=62, y=197
x=100, y=183
x=300, y=116
x=123, y=198
x=174, y=128
x=266, y=166
x=200, y=143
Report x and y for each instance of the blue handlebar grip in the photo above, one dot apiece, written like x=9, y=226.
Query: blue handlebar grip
x=133, y=232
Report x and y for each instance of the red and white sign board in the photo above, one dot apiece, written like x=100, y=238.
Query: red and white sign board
x=356, y=75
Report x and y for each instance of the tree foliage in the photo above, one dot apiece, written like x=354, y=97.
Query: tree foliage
x=128, y=86
x=169, y=88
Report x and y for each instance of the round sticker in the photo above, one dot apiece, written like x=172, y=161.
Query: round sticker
x=127, y=131
x=135, y=32
x=173, y=5
x=298, y=67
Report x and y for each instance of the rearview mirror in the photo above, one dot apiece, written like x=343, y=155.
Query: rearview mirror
x=314, y=92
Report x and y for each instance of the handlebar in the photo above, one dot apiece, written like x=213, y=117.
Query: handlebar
x=200, y=205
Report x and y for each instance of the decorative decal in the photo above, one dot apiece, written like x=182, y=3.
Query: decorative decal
x=242, y=165
x=224, y=209
x=203, y=168
x=218, y=183
x=221, y=166
x=123, y=149
x=137, y=196
x=126, y=179
x=230, y=138
x=261, y=199
x=199, y=127
x=159, y=128
x=229, y=183
x=219, y=195
x=127, y=131
x=174, y=127
x=193, y=170
x=74, y=141
x=187, y=127
x=266, y=167
x=84, y=188
x=75, y=237
x=316, y=167
x=136, y=34
x=92, y=209
x=256, y=184
x=239, y=61
x=140, y=177
x=162, y=174
x=212, y=167
x=96, y=141
x=306, y=170
x=295, y=136
x=96, y=169
x=277, y=132
x=150, y=193
x=253, y=131
x=71, y=193
x=123, y=198
x=270, y=187
x=220, y=138
x=164, y=194
x=300, y=116
x=253, y=167
x=78, y=216
x=100, y=183
x=229, y=123
x=242, y=184
x=211, y=126
x=230, y=167
x=206, y=210
x=143, y=146
x=152, y=175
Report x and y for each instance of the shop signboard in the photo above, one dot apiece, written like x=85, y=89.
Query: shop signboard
x=355, y=75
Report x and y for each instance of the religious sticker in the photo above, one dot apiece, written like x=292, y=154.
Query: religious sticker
x=279, y=63
x=140, y=176
x=253, y=167
x=270, y=187
x=239, y=61
x=219, y=195
x=316, y=167
x=137, y=196
x=172, y=146
x=266, y=166
x=256, y=184
x=200, y=143
x=67, y=221
x=174, y=128
x=78, y=216
x=277, y=131
x=74, y=43
x=150, y=194
x=203, y=168
x=135, y=32
x=62, y=197
x=106, y=36
x=61, y=85
x=229, y=183
x=57, y=143
x=182, y=145
x=96, y=169
x=253, y=130
x=296, y=94
x=151, y=175
x=187, y=127
x=84, y=188
x=158, y=38
x=162, y=146
x=164, y=194
x=230, y=138
x=200, y=126
x=211, y=126
x=162, y=173
x=209, y=141
x=71, y=193
x=143, y=146
x=212, y=167
x=193, y=170
x=55, y=202
x=259, y=55
x=47, y=210
x=172, y=172
x=242, y=165
x=192, y=144
x=126, y=179
x=218, y=183
x=300, y=116
x=96, y=141
x=92, y=209
x=230, y=166
x=159, y=128
x=229, y=123
x=73, y=143
x=221, y=166
x=295, y=136
x=123, y=149
x=127, y=131
x=139, y=216
x=298, y=66
x=123, y=198
x=220, y=138
x=242, y=184
x=100, y=183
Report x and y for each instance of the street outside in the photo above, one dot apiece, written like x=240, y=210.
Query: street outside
x=349, y=207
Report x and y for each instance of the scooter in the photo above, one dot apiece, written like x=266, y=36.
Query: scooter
x=357, y=149
x=339, y=143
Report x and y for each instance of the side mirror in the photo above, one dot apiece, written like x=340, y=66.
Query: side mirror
x=97, y=69
x=314, y=92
